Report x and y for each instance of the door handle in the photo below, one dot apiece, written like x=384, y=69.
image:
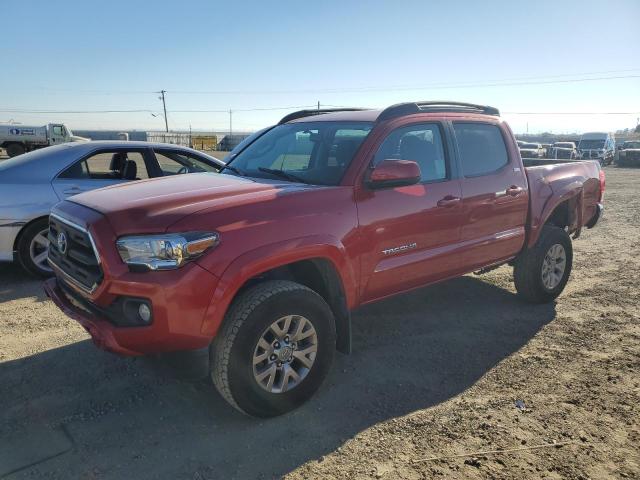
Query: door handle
x=514, y=190
x=449, y=201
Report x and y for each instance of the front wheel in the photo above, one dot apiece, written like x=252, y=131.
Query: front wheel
x=274, y=349
x=541, y=272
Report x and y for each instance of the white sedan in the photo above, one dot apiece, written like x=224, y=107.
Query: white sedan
x=32, y=183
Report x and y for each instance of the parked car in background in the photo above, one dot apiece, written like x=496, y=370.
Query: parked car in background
x=564, y=150
x=547, y=149
x=261, y=265
x=32, y=183
x=18, y=139
x=629, y=154
x=531, y=150
x=600, y=146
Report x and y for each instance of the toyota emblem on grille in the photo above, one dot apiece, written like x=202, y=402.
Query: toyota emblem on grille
x=61, y=241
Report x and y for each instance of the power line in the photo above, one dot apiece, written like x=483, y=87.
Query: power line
x=17, y=110
x=432, y=86
x=507, y=81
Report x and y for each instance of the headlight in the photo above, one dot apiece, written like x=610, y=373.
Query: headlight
x=164, y=251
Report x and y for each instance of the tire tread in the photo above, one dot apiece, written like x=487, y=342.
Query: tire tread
x=237, y=314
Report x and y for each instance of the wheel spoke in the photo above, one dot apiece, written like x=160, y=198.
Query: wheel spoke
x=263, y=344
x=257, y=359
x=302, y=322
x=302, y=355
x=41, y=240
x=40, y=258
x=268, y=372
x=287, y=324
x=277, y=330
x=288, y=373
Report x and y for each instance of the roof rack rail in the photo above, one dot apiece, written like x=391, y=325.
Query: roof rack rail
x=401, y=109
x=317, y=111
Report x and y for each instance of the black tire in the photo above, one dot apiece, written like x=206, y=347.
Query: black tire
x=528, y=269
x=14, y=149
x=248, y=317
x=24, y=248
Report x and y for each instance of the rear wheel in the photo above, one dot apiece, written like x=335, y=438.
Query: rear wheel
x=541, y=272
x=275, y=348
x=14, y=149
x=33, y=249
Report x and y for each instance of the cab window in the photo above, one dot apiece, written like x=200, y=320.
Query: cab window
x=481, y=148
x=421, y=143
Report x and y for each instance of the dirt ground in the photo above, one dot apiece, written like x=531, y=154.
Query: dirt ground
x=434, y=373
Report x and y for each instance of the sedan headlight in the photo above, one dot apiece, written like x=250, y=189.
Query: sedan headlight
x=164, y=251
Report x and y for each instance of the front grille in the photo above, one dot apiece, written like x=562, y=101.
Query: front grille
x=71, y=251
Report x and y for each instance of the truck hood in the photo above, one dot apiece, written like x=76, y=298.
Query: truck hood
x=152, y=206
x=75, y=138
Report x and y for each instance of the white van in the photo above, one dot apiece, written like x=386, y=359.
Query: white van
x=599, y=146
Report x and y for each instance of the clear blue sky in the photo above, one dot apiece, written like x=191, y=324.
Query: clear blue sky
x=112, y=55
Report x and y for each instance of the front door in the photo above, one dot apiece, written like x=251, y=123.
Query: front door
x=409, y=233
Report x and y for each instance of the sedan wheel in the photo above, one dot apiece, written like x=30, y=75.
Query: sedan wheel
x=33, y=248
x=39, y=250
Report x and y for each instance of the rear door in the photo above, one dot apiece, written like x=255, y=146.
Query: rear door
x=494, y=192
x=410, y=233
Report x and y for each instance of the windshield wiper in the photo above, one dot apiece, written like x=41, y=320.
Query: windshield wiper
x=233, y=169
x=283, y=174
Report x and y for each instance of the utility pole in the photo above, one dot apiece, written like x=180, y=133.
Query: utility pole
x=318, y=105
x=230, y=122
x=164, y=106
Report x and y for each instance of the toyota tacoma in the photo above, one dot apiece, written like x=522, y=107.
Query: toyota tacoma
x=322, y=213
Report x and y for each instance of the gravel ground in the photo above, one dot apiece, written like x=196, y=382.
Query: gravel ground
x=434, y=373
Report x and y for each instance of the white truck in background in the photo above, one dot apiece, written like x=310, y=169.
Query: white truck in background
x=18, y=139
x=600, y=146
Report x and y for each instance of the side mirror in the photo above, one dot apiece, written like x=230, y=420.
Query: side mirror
x=394, y=173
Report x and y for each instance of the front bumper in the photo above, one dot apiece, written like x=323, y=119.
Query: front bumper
x=179, y=299
x=178, y=310
x=101, y=331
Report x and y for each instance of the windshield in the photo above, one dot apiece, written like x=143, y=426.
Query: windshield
x=591, y=144
x=309, y=152
x=631, y=145
x=529, y=145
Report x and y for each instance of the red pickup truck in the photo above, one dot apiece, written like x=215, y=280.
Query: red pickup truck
x=263, y=262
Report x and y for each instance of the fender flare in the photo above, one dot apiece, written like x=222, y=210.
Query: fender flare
x=570, y=191
x=268, y=257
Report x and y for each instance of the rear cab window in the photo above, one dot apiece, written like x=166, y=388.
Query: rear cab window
x=481, y=148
